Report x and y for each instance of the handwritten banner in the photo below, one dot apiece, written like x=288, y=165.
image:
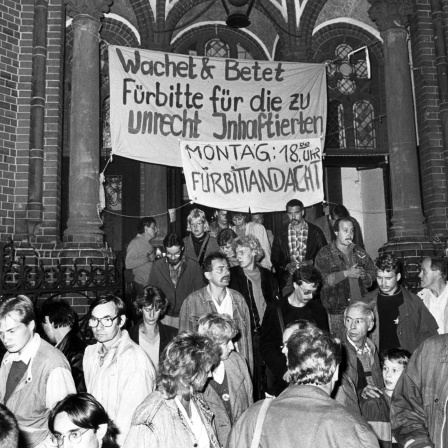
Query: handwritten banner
x=159, y=99
x=262, y=176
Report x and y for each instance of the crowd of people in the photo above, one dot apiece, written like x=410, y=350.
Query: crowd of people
x=239, y=338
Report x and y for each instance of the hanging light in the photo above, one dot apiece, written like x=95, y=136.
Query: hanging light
x=237, y=17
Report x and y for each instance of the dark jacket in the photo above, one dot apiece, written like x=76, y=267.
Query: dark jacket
x=167, y=333
x=73, y=349
x=191, y=279
x=209, y=246
x=280, y=249
x=415, y=322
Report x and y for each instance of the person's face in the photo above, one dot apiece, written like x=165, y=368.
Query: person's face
x=304, y=292
x=391, y=374
x=387, y=281
x=427, y=276
x=150, y=315
x=245, y=256
x=174, y=255
x=100, y=332
x=222, y=218
x=63, y=426
x=151, y=231
x=227, y=250
x=239, y=220
x=197, y=227
x=286, y=335
x=344, y=237
x=258, y=218
x=226, y=348
x=220, y=273
x=357, y=326
x=14, y=334
x=48, y=328
x=295, y=215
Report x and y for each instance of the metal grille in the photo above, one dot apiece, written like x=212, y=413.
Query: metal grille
x=363, y=114
x=216, y=48
x=113, y=188
x=335, y=136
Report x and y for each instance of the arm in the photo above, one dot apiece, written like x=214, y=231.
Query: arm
x=184, y=320
x=137, y=256
x=427, y=325
x=278, y=259
x=59, y=384
x=141, y=436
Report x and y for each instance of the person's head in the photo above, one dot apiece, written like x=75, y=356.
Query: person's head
x=221, y=218
x=433, y=271
x=174, y=248
x=258, y=218
x=306, y=281
x=197, y=223
x=216, y=269
x=107, y=317
x=152, y=304
x=338, y=211
x=17, y=323
x=247, y=250
x=220, y=328
x=80, y=421
x=295, y=211
x=313, y=357
x=148, y=226
x=290, y=329
x=185, y=364
x=388, y=273
x=394, y=362
x=9, y=429
x=344, y=230
x=225, y=242
x=238, y=218
x=54, y=314
x=359, y=319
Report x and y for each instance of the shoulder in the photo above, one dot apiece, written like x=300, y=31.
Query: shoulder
x=313, y=228
x=236, y=296
x=370, y=296
x=152, y=407
x=192, y=265
x=159, y=264
x=53, y=356
x=196, y=295
x=169, y=331
x=237, y=360
x=412, y=299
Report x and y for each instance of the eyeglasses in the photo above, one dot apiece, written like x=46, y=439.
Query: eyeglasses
x=307, y=292
x=74, y=437
x=176, y=255
x=104, y=321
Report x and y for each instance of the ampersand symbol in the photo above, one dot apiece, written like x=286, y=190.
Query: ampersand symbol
x=206, y=71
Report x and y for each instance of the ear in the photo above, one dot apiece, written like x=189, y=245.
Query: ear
x=101, y=431
x=398, y=277
x=32, y=325
x=207, y=275
x=122, y=321
x=371, y=324
x=295, y=285
x=303, y=213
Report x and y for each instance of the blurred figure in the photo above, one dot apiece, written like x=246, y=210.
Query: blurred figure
x=199, y=243
x=219, y=223
x=9, y=429
x=140, y=254
x=60, y=324
x=229, y=390
x=258, y=218
x=175, y=415
x=225, y=243
x=151, y=334
x=80, y=420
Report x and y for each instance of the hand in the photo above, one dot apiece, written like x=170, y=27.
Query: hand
x=371, y=392
x=353, y=272
x=150, y=256
x=290, y=268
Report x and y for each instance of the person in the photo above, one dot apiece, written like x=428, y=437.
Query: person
x=258, y=218
x=229, y=391
x=60, y=323
x=402, y=318
x=304, y=415
x=118, y=373
x=243, y=228
x=377, y=410
x=199, y=243
x=140, y=254
x=361, y=362
x=80, y=420
x=175, y=415
x=225, y=242
x=297, y=242
x=296, y=305
x=418, y=407
x=347, y=271
x=220, y=222
x=9, y=429
x=151, y=334
x=434, y=294
x=34, y=375
x=217, y=297
x=176, y=275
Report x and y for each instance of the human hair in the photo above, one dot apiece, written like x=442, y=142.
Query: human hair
x=231, y=215
x=194, y=214
x=439, y=264
x=388, y=262
x=152, y=296
x=21, y=305
x=365, y=308
x=313, y=356
x=207, y=265
x=59, y=312
x=308, y=274
x=120, y=307
x=301, y=324
x=339, y=211
x=339, y=220
x=294, y=203
x=221, y=328
x=173, y=239
x=225, y=236
x=398, y=355
x=251, y=242
x=145, y=222
x=85, y=412
x=9, y=429
x=185, y=363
